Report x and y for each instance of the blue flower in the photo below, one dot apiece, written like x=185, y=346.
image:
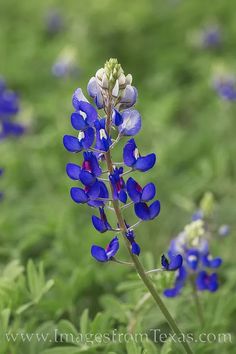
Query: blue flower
x=117, y=118
x=174, y=263
x=54, y=21
x=9, y=107
x=118, y=184
x=104, y=255
x=211, y=37
x=83, y=141
x=145, y=212
x=224, y=230
x=103, y=140
x=179, y=283
x=84, y=117
x=131, y=122
x=206, y=281
x=192, y=258
x=139, y=194
x=101, y=224
x=89, y=171
x=210, y=262
x=135, y=248
x=94, y=91
x=132, y=157
x=89, y=194
x=129, y=97
x=226, y=88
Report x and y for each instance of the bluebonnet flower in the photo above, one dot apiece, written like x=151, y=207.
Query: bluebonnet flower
x=147, y=212
x=101, y=224
x=211, y=37
x=139, y=194
x=105, y=254
x=192, y=244
x=103, y=140
x=98, y=135
x=174, y=263
x=88, y=173
x=224, y=230
x=54, y=21
x=132, y=157
x=65, y=64
x=9, y=108
x=225, y=86
x=118, y=183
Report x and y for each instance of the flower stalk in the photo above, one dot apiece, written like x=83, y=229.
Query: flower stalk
x=138, y=265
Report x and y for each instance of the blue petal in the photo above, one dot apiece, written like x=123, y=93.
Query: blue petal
x=213, y=283
x=99, y=253
x=164, y=262
x=135, y=248
x=112, y=248
x=87, y=178
x=103, y=190
x=78, y=195
x=73, y=171
x=145, y=163
x=94, y=190
x=142, y=211
x=149, y=192
x=131, y=122
x=192, y=258
x=154, y=209
x=117, y=118
x=211, y=263
x=96, y=169
x=123, y=196
x=98, y=224
x=90, y=111
x=87, y=142
x=128, y=153
x=129, y=98
x=72, y=143
x=207, y=282
x=77, y=97
x=171, y=292
x=78, y=122
x=201, y=280
x=134, y=190
x=175, y=262
x=92, y=87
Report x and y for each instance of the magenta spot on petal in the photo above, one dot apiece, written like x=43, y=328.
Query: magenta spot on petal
x=138, y=188
x=87, y=166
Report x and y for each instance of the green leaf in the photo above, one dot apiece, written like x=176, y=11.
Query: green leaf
x=132, y=348
x=64, y=350
x=65, y=326
x=150, y=348
x=84, y=322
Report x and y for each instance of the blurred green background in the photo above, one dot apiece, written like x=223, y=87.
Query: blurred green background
x=185, y=122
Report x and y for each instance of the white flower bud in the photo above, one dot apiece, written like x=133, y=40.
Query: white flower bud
x=115, y=91
x=129, y=79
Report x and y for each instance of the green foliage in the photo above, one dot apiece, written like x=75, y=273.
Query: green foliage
x=189, y=127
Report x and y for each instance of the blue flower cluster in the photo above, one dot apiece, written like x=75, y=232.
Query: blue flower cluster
x=225, y=86
x=211, y=37
x=9, y=107
x=98, y=131
x=198, y=265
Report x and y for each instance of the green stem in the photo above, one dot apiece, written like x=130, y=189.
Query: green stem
x=197, y=303
x=139, y=268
